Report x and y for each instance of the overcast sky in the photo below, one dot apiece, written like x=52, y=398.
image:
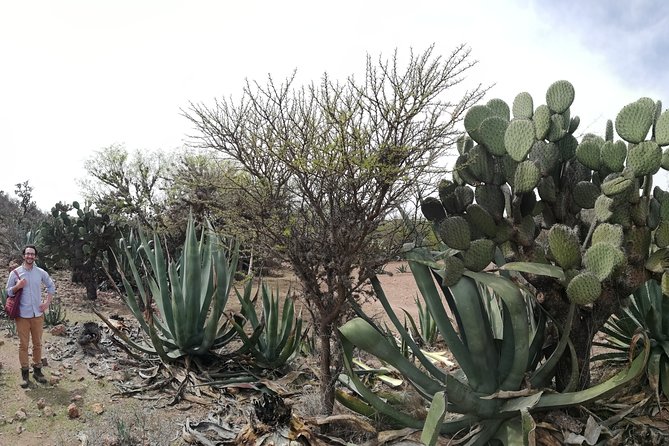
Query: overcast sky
x=78, y=76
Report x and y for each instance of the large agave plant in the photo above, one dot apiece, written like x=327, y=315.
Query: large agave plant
x=644, y=321
x=184, y=298
x=490, y=389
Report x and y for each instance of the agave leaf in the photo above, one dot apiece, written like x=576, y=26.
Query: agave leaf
x=544, y=373
x=658, y=261
x=435, y=416
x=540, y=269
x=622, y=378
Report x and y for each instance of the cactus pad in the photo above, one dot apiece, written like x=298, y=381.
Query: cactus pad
x=603, y=259
x=547, y=190
x=491, y=198
x=644, y=158
x=546, y=155
x=585, y=194
x=455, y=232
x=492, y=132
x=662, y=129
x=608, y=233
x=481, y=219
x=452, y=272
x=635, y=119
x=499, y=108
x=474, y=118
x=523, y=107
x=662, y=234
x=613, y=155
x=560, y=96
x=519, y=138
x=615, y=184
x=479, y=255
x=588, y=152
x=432, y=209
x=584, y=289
x=567, y=146
x=526, y=177
x=542, y=121
x=564, y=246
x=558, y=128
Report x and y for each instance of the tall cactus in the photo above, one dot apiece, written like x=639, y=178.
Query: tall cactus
x=79, y=239
x=526, y=187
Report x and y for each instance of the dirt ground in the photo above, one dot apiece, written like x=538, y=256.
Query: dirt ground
x=89, y=379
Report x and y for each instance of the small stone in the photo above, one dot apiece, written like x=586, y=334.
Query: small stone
x=48, y=412
x=76, y=398
x=20, y=415
x=73, y=411
x=56, y=373
x=53, y=380
x=41, y=403
x=98, y=408
x=109, y=440
x=19, y=429
x=45, y=362
x=59, y=330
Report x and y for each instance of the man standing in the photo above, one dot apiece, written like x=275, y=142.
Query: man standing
x=30, y=322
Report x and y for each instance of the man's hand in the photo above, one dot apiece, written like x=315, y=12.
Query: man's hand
x=21, y=283
x=43, y=306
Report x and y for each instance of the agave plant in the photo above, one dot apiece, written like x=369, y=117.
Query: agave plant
x=184, y=298
x=274, y=340
x=490, y=389
x=426, y=329
x=646, y=319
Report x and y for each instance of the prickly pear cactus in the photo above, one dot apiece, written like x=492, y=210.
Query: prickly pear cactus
x=543, y=193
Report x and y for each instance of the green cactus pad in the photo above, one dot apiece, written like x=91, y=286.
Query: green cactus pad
x=526, y=177
x=635, y=119
x=480, y=164
x=613, y=155
x=567, y=146
x=504, y=232
x=603, y=259
x=479, y=255
x=542, y=121
x=546, y=155
x=462, y=167
x=432, y=209
x=455, y=232
x=481, y=219
x=509, y=166
x=452, y=272
x=464, y=196
x=547, y=190
x=584, y=289
x=499, y=108
x=519, y=138
x=526, y=231
x=654, y=213
x=558, y=128
x=523, y=107
x=639, y=212
x=608, y=132
x=588, y=153
x=662, y=234
x=644, y=158
x=564, y=246
x=615, y=184
x=573, y=124
x=474, y=118
x=662, y=129
x=665, y=159
x=585, y=194
x=492, y=134
x=560, y=96
x=608, y=233
x=491, y=198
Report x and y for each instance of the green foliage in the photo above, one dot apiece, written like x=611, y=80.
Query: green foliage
x=551, y=193
x=190, y=294
x=644, y=323
x=79, y=237
x=277, y=334
x=497, y=345
x=55, y=314
x=425, y=332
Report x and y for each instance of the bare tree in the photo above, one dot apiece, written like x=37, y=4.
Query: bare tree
x=330, y=161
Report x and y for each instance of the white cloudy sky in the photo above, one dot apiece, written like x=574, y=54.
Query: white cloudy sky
x=80, y=75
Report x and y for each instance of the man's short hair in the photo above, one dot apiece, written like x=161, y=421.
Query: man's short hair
x=30, y=246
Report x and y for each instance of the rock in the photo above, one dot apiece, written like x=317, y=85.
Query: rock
x=73, y=411
x=48, y=412
x=20, y=415
x=58, y=330
x=53, y=380
x=41, y=403
x=76, y=398
x=98, y=408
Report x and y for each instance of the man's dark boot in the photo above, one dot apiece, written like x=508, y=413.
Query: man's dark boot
x=25, y=377
x=37, y=374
